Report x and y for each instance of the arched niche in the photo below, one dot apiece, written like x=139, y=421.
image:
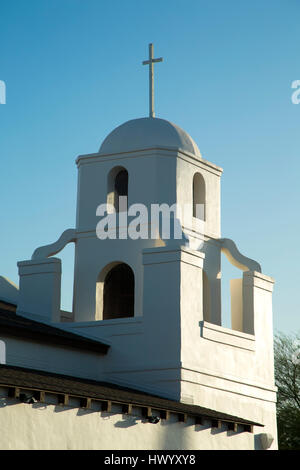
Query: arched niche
x=115, y=292
x=117, y=186
x=199, y=196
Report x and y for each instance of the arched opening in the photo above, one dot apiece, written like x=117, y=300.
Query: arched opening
x=231, y=295
x=118, y=292
x=198, y=196
x=206, y=297
x=117, y=187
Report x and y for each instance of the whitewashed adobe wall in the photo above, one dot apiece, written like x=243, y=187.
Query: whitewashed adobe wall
x=52, y=427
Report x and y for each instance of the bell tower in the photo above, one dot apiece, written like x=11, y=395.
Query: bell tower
x=157, y=299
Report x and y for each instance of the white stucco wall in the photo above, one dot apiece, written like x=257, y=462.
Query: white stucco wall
x=52, y=427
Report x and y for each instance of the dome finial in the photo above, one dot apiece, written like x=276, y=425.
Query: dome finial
x=150, y=62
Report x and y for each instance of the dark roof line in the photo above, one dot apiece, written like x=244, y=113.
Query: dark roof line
x=20, y=326
x=7, y=305
x=29, y=379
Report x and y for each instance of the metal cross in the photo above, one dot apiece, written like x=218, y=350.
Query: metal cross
x=150, y=62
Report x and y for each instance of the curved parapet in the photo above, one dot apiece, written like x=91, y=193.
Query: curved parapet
x=66, y=237
x=236, y=258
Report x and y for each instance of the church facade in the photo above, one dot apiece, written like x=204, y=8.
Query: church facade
x=142, y=361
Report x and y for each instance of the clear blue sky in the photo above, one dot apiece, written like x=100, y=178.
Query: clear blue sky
x=73, y=72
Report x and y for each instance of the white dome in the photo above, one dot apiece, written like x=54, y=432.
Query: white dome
x=144, y=133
